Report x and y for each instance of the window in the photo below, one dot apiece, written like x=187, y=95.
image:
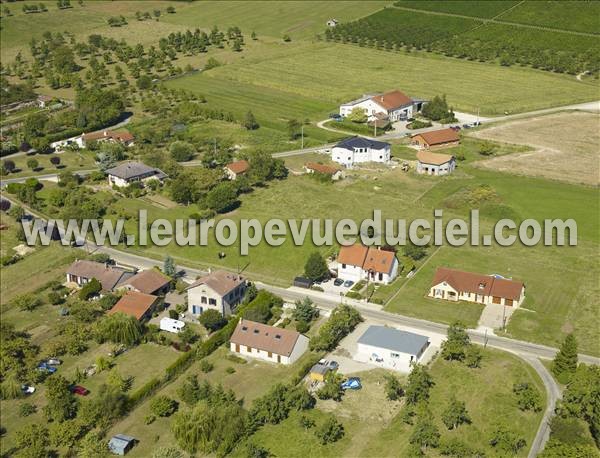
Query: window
x=203, y=300
x=395, y=355
x=380, y=277
x=196, y=309
x=343, y=266
x=212, y=301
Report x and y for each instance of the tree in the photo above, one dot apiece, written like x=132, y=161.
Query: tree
x=436, y=109
x=93, y=446
x=119, y=328
x=506, y=441
x=212, y=320
x=187, y=335
x=294, y=128
x=358, y=115
x=330, y=431
x=316, y=268
x=222, y=197
x=9, y=165
x=455, y=414
x=473, y=356
x=4, y=205
x=66, y=434
x=162, y=406
x=181, y=151
x=26, y=302
x=528, y=397
x=190, y=391
x=108, y=404
x=419, y=384
x=170, y=9
x=414, y=252
x=156, y=14
x=305, y=310
x=287, y=38
x=565, y=361
x=32, y=163
x=61, y=403
x=90, y=289
x=453, y=348
x=253, y=35
x=27, y=409
x=332, y=389
x=425, y=434
x=184, y=190
x=115, y=380
x=32, y=440
x=55, y=160
x=250, y=122
x=10, y=388
x=393, y=388
x=169, y=267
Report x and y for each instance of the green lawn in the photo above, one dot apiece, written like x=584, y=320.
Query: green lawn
x=372, y=428
x=488, y=395
x=249, y=381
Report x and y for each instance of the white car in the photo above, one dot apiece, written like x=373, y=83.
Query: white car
x=28, y=389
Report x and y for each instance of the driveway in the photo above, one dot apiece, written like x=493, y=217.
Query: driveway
x=495, y=316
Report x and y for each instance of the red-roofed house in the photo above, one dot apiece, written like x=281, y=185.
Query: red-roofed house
x=236, y=168
x=314, y=167
x=358, y=262
x=457, y=285
x=394, y=105
x=139, y=305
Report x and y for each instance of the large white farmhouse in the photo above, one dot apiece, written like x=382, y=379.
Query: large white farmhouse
x=395, y=105
x=358, y=262
x=356, y=150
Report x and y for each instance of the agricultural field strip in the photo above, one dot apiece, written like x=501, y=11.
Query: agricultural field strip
x=496, y=21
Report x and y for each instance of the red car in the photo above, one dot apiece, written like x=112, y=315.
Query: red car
x=79, y=390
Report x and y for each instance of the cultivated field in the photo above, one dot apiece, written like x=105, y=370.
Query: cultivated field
x=565, y=147
x=305, y=78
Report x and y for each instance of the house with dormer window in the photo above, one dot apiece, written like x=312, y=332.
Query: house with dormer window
x=357, y=150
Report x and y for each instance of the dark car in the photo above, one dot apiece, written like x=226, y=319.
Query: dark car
x=348, y=283
x=338, y=282
x=466, y=126
x=79, y=390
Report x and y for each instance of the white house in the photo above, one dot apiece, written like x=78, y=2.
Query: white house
x=171, y=325
x=332, y=22
x=60, y=145
x=268, y=343
x=358, y=262
x=429, y=163
x=356, y=150
x=391, y=348
x=81, y=141
x=130, y=172
x=220, y=290
x=236, y=168
x=457, y=285
x=395, y=105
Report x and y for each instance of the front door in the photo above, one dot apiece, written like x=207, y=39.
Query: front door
x=237, y=348
x=278, y=358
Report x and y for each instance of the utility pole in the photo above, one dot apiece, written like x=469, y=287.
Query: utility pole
x=477, y=115
x=302, y=133
x=215, y=146
x=375, y=124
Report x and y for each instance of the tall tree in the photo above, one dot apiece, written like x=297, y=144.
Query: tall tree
x=250, y=122
x=61, y=402
x=316, y=268
x=565, y=361
x=169, y=266
x=453, y=348
x=455, y=414
x=419, y=384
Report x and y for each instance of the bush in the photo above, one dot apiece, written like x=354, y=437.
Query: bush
x=206, y=366
x=26, y=302
x=55, y=298
x=341, y=322
x=90, y=289
x=302, y=326
x=162, y=406
x=416, y=124
x=330, y=431
x=27, y=409
x=230, y=370
x=173, y=314
x=212, y=320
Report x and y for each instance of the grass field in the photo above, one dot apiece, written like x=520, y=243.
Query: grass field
x=69, y=161
x=479, y=389
x=306, y=76
x=574, y=159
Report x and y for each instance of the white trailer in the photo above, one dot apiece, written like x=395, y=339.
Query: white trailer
x=171, y=325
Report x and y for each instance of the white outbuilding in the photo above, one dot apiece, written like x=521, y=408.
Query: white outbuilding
x=391, y=348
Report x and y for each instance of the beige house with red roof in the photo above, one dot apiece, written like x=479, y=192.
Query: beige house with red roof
x=457, y=285
x=435, y=139
x=314, y=167
x=395, y=105
x=269, y=343
x=219, y=290
x=236, y=168
x=358, y=262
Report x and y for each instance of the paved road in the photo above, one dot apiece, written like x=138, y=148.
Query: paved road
x=46, y=177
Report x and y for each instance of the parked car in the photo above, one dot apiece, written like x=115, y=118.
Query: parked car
x=333, y=365
x=54, y=362
x=28, y=389
x=348, y=283
x=353, y=383
x=79, y=390
x=338, y=282
x=466, y=126
x=45, y=367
